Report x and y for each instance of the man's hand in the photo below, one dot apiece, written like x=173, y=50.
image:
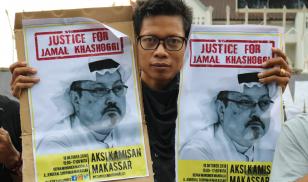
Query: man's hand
x=9, y=156
x=278, y=70
x=303, y=179
x=22, y=78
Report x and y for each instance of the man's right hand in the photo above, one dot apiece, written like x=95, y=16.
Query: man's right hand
x=22, y=77
x=303, y=179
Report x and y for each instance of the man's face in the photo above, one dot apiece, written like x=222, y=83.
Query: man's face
x=246, y=117
x=160, y=65
x=97, y=110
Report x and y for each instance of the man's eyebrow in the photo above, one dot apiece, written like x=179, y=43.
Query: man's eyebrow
x=249, y=97
x=117, y=81
x=243, y=96
x=265, y=96
x=236, y=94
x=96, y=84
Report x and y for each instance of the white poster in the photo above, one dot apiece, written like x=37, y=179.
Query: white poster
x=85, y=110
x=228, y=122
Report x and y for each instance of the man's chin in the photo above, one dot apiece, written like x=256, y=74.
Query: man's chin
x=106, y=123
x=113, y=116
x=255, y=132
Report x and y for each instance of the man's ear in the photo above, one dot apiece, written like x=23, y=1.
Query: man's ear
x=220, y=109
x=74, y=96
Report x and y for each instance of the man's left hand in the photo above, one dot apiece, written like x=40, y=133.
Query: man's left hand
x=278, y=70
x=8, y=154
x=303, y=179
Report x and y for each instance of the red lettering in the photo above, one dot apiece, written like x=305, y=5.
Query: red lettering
x=219, y=48
x=66, y=39
x=99, y=36
x=252, y=48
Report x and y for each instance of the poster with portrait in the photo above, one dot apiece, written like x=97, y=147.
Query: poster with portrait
x=228, y=122
x=85, y=111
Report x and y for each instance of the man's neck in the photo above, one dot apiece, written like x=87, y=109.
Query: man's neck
x=100, y=135
x=155, y=84
x=240, y=148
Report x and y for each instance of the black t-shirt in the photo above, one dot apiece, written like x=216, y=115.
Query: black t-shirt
x=160, y=109
x=10, y=121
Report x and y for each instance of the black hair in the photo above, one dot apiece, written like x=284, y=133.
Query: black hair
x=103, y=64
x=75, y=86
x=162, y=7
x=248, y=77
x=222, y=96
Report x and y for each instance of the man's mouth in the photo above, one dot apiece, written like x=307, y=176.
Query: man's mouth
x=160, y=65
x=255, y=121
x=112, y=110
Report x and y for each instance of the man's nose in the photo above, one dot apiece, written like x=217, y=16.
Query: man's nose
x=110, y=97
x=160, y=51
x=256, y=110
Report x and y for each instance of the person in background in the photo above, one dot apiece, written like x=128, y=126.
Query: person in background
x=10, y=141
x=291, y=154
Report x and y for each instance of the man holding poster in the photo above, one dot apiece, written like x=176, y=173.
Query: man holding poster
x=160, y=69
x=243, y=119
x=98, y=108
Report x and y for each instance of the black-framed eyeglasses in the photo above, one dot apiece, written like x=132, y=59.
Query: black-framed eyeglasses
x=118, y=90
x=171, y=43
x=264, y=104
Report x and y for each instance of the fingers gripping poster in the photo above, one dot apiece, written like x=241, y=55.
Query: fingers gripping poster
x=85, y=112
x=228, y=121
